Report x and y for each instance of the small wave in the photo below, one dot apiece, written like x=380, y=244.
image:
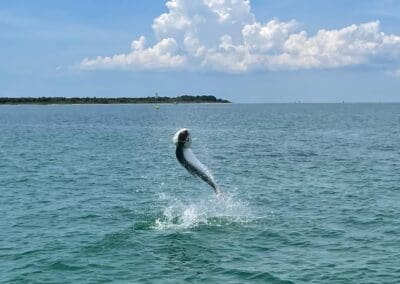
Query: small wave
x=214, y=211
x=61, y=265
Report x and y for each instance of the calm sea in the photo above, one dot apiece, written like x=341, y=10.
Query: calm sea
x=93, y=193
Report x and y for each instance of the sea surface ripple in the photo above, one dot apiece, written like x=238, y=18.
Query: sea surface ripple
x=93, y=193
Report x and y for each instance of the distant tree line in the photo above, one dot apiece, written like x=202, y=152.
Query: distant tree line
x=123, y=100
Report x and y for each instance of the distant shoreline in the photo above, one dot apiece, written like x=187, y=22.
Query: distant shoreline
x=120, y=100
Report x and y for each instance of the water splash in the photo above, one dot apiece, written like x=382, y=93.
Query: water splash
x=213, y=211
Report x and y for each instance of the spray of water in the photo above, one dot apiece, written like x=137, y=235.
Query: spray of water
x=209, y=212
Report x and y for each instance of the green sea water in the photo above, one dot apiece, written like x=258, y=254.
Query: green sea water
x=94, y=194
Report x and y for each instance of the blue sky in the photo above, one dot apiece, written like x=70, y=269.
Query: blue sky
x=257, y=51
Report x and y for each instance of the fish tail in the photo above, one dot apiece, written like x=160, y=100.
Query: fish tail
x=217, y=190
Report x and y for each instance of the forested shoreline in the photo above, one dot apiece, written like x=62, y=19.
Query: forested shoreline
x=121, y=100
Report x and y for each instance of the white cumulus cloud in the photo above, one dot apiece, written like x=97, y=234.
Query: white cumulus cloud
x=225, y=36
x=160, y=56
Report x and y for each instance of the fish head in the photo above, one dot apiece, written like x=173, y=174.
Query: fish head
x=182, y=136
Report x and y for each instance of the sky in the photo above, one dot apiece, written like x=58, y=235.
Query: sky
x=245, y=51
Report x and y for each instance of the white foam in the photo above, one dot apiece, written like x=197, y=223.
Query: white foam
x=214, y=211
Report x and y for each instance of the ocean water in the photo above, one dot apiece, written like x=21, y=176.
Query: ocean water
x=93, y=193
